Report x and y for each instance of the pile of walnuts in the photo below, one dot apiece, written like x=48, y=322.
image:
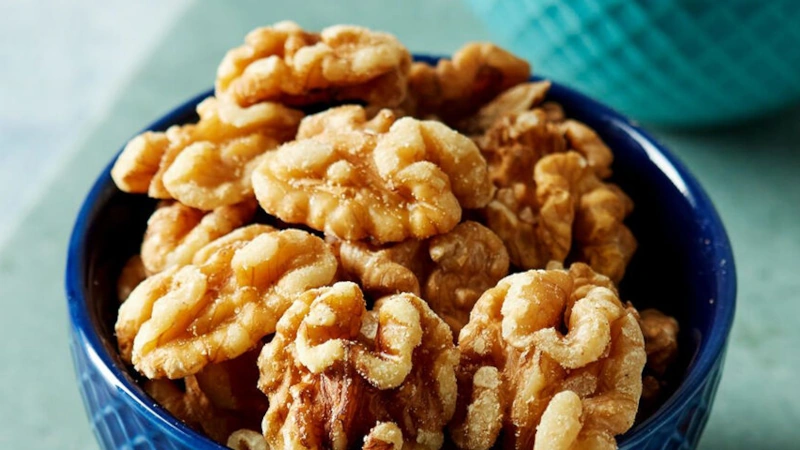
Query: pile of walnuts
x=390, y=272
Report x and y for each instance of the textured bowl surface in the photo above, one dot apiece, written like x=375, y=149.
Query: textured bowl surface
x=673, y=62
x=684, y=266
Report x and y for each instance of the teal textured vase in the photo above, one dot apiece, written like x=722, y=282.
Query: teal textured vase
x=667, y=62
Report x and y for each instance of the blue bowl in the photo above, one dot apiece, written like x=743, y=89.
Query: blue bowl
x=673, y=62
x=684, y=266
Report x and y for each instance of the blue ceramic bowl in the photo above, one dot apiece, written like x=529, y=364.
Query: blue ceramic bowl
x=670, y=62
x=684, y=266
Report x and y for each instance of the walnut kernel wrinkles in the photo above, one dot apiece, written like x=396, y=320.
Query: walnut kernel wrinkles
x=222, y=304
x=661, y=339
x=286, y=64
x=450, y=271
x=455, y=88
x=515, y=143
x=661, y=344
x=585, y=141
x=133, y=273
x=385, y=270
x=601, y=236
x=172, y=398
x=410, y=182
x=176, y=232
x=384, y=436
x=334, y=371
x=513, y=101
x=245, y=439
x=346, y=118
x=537, y=225
x=237, y=136
x=232, y=386
x=216, y=423
x=192, y=407
x=467, y=261
x=518, y=372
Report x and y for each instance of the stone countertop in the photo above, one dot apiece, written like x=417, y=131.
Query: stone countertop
x=752, y=173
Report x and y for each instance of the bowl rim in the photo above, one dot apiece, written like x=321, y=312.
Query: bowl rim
x=700, y=367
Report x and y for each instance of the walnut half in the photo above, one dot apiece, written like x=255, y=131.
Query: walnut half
x=521, y=373
x=336, y=373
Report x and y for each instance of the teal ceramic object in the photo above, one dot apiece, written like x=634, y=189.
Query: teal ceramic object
x=667, y=62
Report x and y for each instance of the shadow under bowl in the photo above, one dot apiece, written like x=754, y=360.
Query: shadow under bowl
x=684, y=266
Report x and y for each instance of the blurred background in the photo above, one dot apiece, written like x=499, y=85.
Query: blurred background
x=80, y=77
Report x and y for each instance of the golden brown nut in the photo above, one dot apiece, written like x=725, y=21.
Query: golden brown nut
x=232, y=386
x=286, y=64
x=661, y=339
x=585, y=141
x=245, y=439
x=221, y=305
x=334, y=370
x=553, y=111
x=345, y=118
x=661, y=344
x=467, y=261
x=520, y=372
x=387, y=270
x=205, y=165
x=139, y=161
x=456, y=88
x=171, y=397
x=450, y=271
x=515, y=100
x=410, y=182
x=515, y=143
x=536, y=227
x=133, y=273
x=176, y=232
x=384, y=436
x=214, y=422
x=601, y=237
x=191, y=406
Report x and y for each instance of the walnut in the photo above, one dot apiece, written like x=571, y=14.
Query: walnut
x=519, y=373
x=345, y=118
x=232, y=386
x=450, y=271
x=191, y=407
x=286, y=64
x=661, y=339
x=468, y=261
x=536, y=227
x=139, y=161
x=456, y=88
x=208, y=164
x=334, y=371
x=386, y=270
x=515, y=100
x=515, y=143
x=553, y=111
x=133, y=273
x=180, y=320
x=601, y=237
x=245, y=439
x=215, y=422
x=384, y=436
x=170, y=397
x=176, y=232
x=410, y=182
x=661, y=344
x=586, y=142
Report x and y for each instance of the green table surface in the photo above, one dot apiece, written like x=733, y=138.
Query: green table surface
x=751, y=171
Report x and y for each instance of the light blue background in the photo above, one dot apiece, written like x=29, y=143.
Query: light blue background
x=78, y=78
